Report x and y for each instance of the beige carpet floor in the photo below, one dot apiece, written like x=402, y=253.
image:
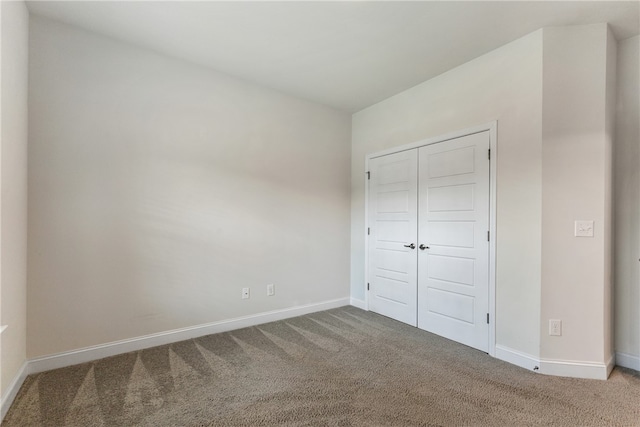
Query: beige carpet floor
x=342, y=367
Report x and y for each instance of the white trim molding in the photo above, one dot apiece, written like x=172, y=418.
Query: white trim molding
x=559, y=368
x=628, y=361
x=517, y=358
x=358, y=303
x=611, y=363
x=101, y=351
x=490, y=126
x=13, y=389
x=577, y=369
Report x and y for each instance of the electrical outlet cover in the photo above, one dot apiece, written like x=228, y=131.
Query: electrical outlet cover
x=584, y=229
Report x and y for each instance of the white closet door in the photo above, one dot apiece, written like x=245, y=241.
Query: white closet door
x=393, y=233
x=453, y=259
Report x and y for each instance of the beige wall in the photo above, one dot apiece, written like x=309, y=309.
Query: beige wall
x=627, y=203
x=552, y=94
x=13, y=204
x=576, y=186
x=159, y=189
x=504, y=85
x=610, y=124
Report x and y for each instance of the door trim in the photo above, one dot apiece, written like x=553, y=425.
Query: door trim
x=492, y=128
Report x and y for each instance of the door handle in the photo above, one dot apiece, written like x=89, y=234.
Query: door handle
x=412, y=246
x=423, y=247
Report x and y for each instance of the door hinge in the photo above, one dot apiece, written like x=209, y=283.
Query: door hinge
x=487, y=318
x=489, y=156
x=488, y=237
x=368, y=231
x=368, y=175
x=367, y=286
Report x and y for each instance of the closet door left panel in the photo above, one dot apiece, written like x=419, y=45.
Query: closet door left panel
x=393, y=216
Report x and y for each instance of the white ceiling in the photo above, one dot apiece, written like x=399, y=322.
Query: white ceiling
x=347, y=55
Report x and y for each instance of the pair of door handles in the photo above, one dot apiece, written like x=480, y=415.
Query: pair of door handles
x=413, y=246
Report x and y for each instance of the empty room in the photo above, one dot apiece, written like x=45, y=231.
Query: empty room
x=367, y=213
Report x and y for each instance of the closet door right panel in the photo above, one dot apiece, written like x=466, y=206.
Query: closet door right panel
x=453, y=225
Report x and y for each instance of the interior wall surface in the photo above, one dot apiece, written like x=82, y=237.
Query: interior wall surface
x=13, y=180
x=159, y=189
x=503, y=85
x=627, y=205
x=576, y=185
x=610, y=124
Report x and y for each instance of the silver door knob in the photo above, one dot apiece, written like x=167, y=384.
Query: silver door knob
x=423, y=247
x=412, y=246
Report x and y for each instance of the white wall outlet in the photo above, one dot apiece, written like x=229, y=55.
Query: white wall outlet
x=584, y=229
x=271, y=290
x=555, y=327
x=245, y=293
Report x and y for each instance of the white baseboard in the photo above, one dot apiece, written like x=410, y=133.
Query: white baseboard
x=89, y=354
x=12, y=390
x=610, y=365
x=628, y=361
x=358, y=303
x=560, y=368
x=517, y=358
x=576, y=369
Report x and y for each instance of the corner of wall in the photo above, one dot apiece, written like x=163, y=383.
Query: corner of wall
x=627, y=205
x=610, y=113
x=14, y=28
x=576, y=186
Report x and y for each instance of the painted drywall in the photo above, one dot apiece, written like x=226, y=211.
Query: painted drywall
x=159, y=189
x=576, y=170
x=13, y=203
x=503, y=85
x=627, y=202
x=609, y=124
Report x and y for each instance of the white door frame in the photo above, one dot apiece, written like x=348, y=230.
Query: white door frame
x=492, y=127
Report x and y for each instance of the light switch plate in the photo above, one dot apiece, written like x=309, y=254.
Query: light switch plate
x=584, y=229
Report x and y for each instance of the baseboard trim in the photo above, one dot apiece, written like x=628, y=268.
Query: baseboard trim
x=517, y=358
x=559, y=368
x=101, y=351
x=611, y=363
x=575, y=369
x=628, y=361
x=13, y=389
x=358, y=303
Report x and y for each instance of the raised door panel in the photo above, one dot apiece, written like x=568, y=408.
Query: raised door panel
x=453, y=269
x=393, y=226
